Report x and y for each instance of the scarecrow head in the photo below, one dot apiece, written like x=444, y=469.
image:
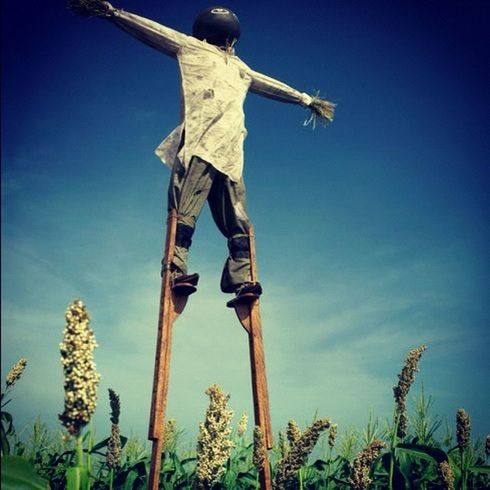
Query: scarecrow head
x=218, y=26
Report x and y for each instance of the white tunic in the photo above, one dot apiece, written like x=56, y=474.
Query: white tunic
x=214, y=84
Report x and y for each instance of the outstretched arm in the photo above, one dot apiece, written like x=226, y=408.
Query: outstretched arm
x=274, y=89
x=149, y=32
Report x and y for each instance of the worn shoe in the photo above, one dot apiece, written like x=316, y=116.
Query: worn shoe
x=184, y=284
x=246, y=294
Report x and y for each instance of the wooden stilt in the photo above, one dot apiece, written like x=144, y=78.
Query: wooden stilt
x=249, y=316
x=171, y=305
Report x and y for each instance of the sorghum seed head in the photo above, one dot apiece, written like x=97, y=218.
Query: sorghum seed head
x=81, y=376
x=405, y=380
x=15, y=372
x=446, y=475
x=213, y=444
x=332, y=435
x=259, y=448
x=298, y=453
x=283, y=445
x=169, y=433
x=487, y=445
x=242, y=425
x=293, y=432
x=361, y=466
x=115, y=404
x=113, y=456
x=462, y=428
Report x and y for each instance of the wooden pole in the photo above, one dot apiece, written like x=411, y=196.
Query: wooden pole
x=249, y=316
x=171, y=306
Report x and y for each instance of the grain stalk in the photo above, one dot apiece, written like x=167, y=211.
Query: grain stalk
x=400, y=392
x=214, y=444
x=7, y=426
x=463, y=428
x=81, y=380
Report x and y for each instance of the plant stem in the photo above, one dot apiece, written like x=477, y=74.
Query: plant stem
x=462, y=453
x=300, y=474
x=393, y=444
x=79, y=451
x=90, y=445
x=329, y=461
x=111, y=478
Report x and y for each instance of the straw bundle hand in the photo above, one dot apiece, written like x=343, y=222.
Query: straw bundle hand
x=91, y=8
x=321, y=110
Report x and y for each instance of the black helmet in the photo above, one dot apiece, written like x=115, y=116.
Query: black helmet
x=218, y=25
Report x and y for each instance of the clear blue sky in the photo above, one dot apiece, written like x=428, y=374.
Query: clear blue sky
x=372, y=233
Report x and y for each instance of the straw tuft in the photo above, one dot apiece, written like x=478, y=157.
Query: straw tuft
x=90, y=8
x=321, y=110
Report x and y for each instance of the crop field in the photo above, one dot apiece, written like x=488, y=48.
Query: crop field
x=413, y=450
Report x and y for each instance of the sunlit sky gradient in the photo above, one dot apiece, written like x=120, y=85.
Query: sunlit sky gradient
x=372, y=233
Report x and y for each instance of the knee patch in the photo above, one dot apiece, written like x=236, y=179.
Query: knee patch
x=239, y=247
x=183, y=235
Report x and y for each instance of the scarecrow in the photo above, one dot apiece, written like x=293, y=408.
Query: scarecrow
x=205, y=151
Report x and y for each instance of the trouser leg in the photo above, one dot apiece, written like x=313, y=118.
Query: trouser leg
x=227, y=203
x=188, y=190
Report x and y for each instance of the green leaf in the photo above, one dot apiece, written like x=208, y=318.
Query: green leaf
x=19, y=474
x=7, y=417
x=130, y=479
x=480, y=469
x=4, y=443
x=423, y=452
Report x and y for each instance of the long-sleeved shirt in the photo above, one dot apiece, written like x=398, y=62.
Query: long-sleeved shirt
x=214, y=84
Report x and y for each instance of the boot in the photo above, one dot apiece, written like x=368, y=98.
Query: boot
x=246, y=294
x=184, y=284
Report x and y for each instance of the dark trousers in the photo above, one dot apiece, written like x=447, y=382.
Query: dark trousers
x=188, y=190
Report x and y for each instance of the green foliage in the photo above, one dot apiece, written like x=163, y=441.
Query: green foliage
x=46, y=459
x=19, y=474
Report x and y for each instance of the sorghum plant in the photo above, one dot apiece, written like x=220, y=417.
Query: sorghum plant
x=242, y=425
x=405, y=380
x=15, y=372
x=400, y=391
x=463, y=434
x=113, y=455
x=81, y=380
x=6, y=426
x=258, y=449
x=214, y=444
x=288, y=467
x=293, y=432
x=361, y=467
x=446, y=475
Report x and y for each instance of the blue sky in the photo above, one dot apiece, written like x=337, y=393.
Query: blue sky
x=372, y=233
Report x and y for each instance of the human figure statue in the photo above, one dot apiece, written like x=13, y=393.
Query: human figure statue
x=205, y=151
